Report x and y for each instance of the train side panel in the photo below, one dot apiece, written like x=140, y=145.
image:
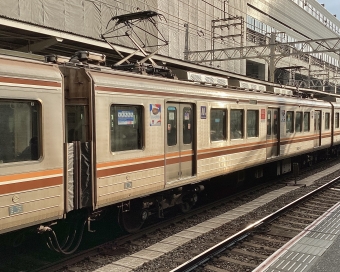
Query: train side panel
x=303, y=127
x=129, y=144
x=31, y=152
x=240, y=148
x=336, y=124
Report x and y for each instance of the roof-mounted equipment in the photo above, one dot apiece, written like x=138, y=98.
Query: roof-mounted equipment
x=129, y=25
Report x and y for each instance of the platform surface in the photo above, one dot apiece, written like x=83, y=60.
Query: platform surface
x=139, y=258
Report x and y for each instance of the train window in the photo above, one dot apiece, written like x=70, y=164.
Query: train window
x=306, y=120
x=187, y=125
x=327, y=119
x=289, y=122
x=172, y=125
x=336, y=121
x=218, y=121
x=236, y=124
x=252, y=123
x=126, y=127
x=20, y=123
x=298, y=121
x=269, y=122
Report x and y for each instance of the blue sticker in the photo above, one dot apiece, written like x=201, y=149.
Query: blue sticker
x=125, y=117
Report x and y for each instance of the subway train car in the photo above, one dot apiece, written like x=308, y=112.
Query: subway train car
x=79, y=138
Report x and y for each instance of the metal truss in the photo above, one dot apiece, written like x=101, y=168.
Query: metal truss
x=267, y=50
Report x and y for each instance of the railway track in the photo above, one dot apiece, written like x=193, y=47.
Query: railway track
x=248, y=248
x=125, y=245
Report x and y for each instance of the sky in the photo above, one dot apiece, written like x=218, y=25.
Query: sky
x=333, y=6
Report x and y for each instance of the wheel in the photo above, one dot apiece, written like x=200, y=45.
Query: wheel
x=185, y=207
x=188, y=202
x=132, y=220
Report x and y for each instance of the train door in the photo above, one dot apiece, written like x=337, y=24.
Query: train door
x=179, y=141
x=79, y=146
x=273, y=144
x=317, y=128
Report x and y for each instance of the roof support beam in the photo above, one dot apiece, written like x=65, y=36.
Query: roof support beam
x=38, y=46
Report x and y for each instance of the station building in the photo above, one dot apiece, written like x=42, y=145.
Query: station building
x=215, y=36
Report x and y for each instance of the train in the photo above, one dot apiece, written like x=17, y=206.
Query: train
x=78, y=137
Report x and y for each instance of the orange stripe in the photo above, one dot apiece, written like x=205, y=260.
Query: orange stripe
x=31, y=175
x=231, y=147
x=129, y=168
x=131, y=161
x=179, y=154
x=231, y=150
x=30, y=185
x=29, y=81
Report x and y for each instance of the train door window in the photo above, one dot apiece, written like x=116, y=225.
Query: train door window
x=289, y=122
x=269, y=122
x=126, y=124
x=327, y=120
x=336, y=121
x=20, y=123
x=172, y=125
x=276, y=122
x=187, y=125
x=76, y=123
x=298, y=121
x=306, y=121
x=236, y=124
x=218, y=121
x=252, y=123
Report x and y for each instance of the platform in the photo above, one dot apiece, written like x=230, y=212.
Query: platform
x=314, y=249
x=139, y=258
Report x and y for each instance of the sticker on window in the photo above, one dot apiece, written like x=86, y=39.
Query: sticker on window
x=171, y=116
x=125, y=117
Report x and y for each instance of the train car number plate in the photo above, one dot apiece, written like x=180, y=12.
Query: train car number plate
x=15, y=209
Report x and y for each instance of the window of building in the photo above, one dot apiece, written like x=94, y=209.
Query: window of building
x=252, y=123
x=289, y=122
x=306, y=121
x=298, y=121
x=327, y=119
x=218, y=121
x=126, y=127
x=336, y=121
x=20, y=123
x=236, y=124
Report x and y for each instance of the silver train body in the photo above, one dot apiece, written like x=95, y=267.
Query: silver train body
x=98, y=137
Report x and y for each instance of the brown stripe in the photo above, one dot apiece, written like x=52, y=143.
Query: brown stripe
x=187, y=158
x=231, y=150
x=233, y=146
x=29, y=81
x=167, y=94
x=30, y=185
x=300, y=139
x=129, y=168
x=173, y=161
x=180, y=154
x=118, y=90
x=122, y=162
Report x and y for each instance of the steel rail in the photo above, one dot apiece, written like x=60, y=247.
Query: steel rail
x=220, y=247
